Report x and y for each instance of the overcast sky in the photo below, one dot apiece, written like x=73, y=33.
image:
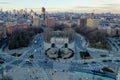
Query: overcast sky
x=64, y=5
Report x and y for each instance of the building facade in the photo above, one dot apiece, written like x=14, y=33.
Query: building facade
x=93, y=23
x=110, y=30
x=2, y=30
x=82, y=22
x=50, y=22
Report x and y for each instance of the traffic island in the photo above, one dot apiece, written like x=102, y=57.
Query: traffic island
x=31, y=57
x=85, y=55
x=16, y=55
x=106, y=69
x=104, y=55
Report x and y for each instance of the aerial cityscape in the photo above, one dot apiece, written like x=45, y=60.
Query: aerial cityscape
x=60, y=40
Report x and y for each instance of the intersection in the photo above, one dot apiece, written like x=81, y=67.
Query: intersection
x=40, y=61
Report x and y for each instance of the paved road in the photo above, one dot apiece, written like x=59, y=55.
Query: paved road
x=40, y=60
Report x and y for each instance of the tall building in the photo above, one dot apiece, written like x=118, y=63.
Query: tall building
x=43, y=13
x=92, y=23
x=36, y=21
x=92, y=16
x=82, y=22
x=2, y=30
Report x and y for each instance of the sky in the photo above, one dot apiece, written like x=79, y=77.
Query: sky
x=63, y=5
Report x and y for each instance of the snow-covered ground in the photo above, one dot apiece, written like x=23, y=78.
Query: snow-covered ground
x=27, y=73
x=48, y=45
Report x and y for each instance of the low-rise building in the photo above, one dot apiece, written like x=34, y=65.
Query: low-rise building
x=50, y=22
x=110, y=30
x=10, y=29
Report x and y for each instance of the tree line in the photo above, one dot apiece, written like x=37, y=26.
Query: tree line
x=22, y=37
x=97, y=39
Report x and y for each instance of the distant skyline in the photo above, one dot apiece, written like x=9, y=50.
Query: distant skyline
x=63, y=5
